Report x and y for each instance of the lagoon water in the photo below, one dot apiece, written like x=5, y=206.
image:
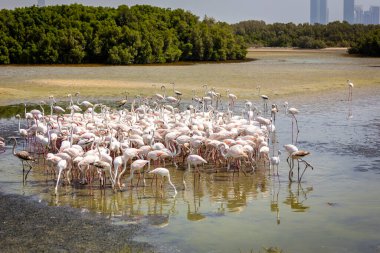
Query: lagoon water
x=335, y=208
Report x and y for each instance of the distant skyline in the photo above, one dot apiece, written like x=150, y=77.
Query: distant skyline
x=296, y=11
x=319, y=12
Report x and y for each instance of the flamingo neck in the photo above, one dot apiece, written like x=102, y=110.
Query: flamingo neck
x=170, y=182
x=223, y=151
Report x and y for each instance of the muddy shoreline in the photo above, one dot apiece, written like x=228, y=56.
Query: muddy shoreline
x=31, y=226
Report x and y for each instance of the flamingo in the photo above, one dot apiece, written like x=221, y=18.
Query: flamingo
x=137, y=166
x=2, y=145
x=290, y=148
x=58, y=109
x=86, y=162
x=275, y=161
x=163, y=172
x=163, y=88
x=128, y=154
x=265, y=99
x=23, y=132
x=117, y=162
x=84, y=103
x=194, y=160
x=299, y=155
x=123, y=102
x=155, y=155
x=293, y=112
x=234, y=152
x=232, y=98
x=176, y=92
x=103, y=167
x=61, y=165
x=286, y=105
x=274, y=111
x=24, y=156
x=350, y=87
x=171, y=100
x=36, y=113
x=264, y=152
x=28, y=115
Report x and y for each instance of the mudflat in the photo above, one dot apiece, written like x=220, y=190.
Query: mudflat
x=273, y=72
x=30, y=226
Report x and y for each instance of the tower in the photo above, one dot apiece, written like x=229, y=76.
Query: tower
x=375, y=13
x=348, y=11
x=359, y=14
x=318, y=12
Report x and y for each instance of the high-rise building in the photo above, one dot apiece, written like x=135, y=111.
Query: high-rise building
x=367, y=19
x=318, y=12
x=324, y=12
x=41, y=3
x=348, y=11
x=359, y=14
x=375, y=14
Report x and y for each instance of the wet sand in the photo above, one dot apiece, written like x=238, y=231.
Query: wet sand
x=30, y=226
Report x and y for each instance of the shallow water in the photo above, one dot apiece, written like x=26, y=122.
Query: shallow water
x=334, y=209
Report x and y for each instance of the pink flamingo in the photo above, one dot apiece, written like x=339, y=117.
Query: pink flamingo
x=137, y=165
x=163, y=172
x=193, y=160
x=234, y=152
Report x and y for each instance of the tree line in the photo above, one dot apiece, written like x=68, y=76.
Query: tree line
x=361, y=39
x=125, y=35
x=145, y=34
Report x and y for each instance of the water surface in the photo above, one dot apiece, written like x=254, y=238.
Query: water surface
x=334, y=209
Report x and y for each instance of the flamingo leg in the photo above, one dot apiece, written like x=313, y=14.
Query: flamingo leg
x=59, y=176
x=297, y=128
x=30, y=167
x=306, y=166
x=23, y=172
x=298, y=174
x=292, y=133
x=291, y=171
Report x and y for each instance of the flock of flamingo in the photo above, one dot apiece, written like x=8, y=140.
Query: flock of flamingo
x=86, y=142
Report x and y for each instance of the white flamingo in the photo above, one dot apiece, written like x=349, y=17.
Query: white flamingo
x=275, y=161
x=293, y=112
x=61, y=166
x=350, y=88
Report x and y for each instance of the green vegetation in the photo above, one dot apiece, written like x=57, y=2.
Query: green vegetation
x=126, y=35
x=145, y=34
x=367, y=45
x=335, y=34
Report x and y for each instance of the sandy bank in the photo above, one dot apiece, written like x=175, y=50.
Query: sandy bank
x=295, y=50
x=279, y=72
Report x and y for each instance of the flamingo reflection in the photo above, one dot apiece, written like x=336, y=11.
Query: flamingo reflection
x=297, y=197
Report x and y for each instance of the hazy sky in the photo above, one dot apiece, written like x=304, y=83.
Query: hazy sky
x=296, y=11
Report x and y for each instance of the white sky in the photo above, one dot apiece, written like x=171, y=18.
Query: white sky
x=296, y=11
